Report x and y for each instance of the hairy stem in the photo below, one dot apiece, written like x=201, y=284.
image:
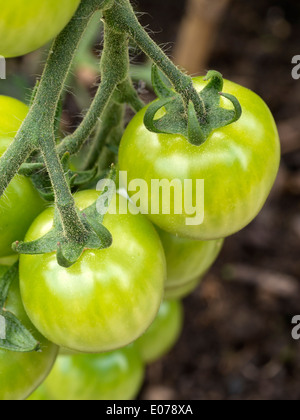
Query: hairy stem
x=112, y=117
x=109, y=154
x=74, y=142
x=114, y=70
x=122, y=17
x=12, y=159
x=73, y=228
x=127, y=94
x=60, y=59
x=46, y=97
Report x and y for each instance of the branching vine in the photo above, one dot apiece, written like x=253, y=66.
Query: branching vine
x=199, y=115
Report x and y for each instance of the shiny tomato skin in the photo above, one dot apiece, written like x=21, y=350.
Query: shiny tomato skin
x=161, y=336
x=238, y=164
x=109, y=297
x=22, y=373
x=12, y=114
x=39, y=394
x=27, y=25
x=182, y=291
x=187, y=258
x=19, y=206
x=116, y=375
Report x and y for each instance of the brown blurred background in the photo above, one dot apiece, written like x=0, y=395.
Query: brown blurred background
x=237, y=340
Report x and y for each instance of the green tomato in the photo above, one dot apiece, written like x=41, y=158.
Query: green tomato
x=187, y=258
x=163, y=333
x=19, y=206
x=117, y=375
x=22, y=373
x=238, y=164
x=12, y=114
x=180, y=292
x=40, y=394
x=27, y=25
x=109, y=297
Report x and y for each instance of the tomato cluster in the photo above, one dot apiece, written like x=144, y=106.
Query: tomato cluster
x=119, y=308
x=109, y=298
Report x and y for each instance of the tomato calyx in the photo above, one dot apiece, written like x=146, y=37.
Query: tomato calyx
x=181, y=118
x=13, y=335
x=68, y=249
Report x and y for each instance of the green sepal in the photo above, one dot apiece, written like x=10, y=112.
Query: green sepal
x=29, y=169
x=182, y=118
x=6, y=280
x=68, y=252
x=17, y=337
x=157, y=125
x=77, y=179
x=216, y=82
x=160, y=88
x=13, y=335
x=195, y=133
x=42, y=184
x=65, y=161
x=238, y=111
x=97, y=237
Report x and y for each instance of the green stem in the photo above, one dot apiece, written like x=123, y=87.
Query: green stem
x=37, y=131
x=73, y=228
x=122, y=18
x=114, y=70
x=127, y=94
x=75, y=141
x=108, y=155
x=47, y=94
x=112, y=117
x=60, y=59
x=45, y=105
x=12, y=160
x=84, y=55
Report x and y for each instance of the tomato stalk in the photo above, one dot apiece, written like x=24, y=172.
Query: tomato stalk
x=121, y=17
x=72, y=225
x=46, y=95
x=37, y=132
x=126, y=93
x=111, y=127
x=113, y=118
x=110, y=152
x=192, y=114
x=16, y=154
x=114, y=70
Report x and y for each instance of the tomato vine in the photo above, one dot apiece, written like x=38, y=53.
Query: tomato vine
x=38, y=130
